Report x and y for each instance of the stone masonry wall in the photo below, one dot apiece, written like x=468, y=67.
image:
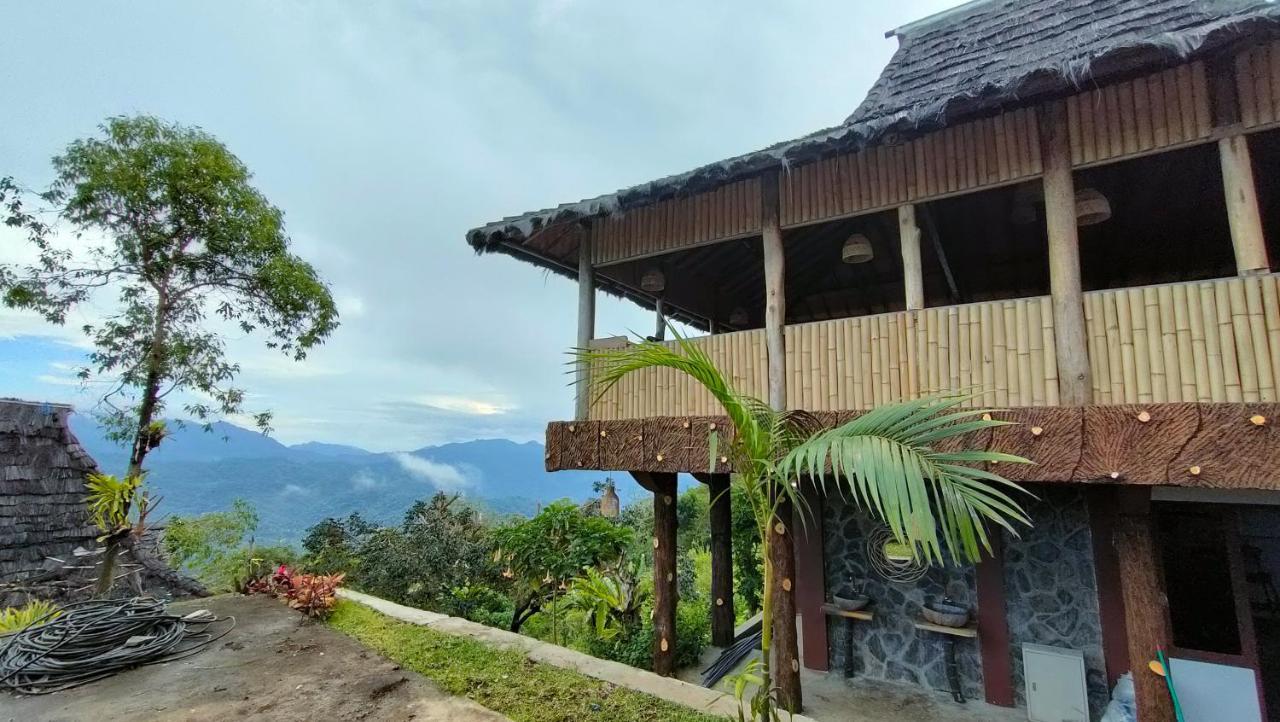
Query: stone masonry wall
x=1051, y=591
x=889, y=647
x=1051, y=599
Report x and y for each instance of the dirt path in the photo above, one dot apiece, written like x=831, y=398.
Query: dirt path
x=273, y=666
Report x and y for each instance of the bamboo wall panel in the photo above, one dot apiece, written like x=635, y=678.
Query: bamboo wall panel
x=730, y=211
x=1210, y=341
x=1258, y=84
x=1002, y=351
x=1154, y=111
x=663, y=392
x=963, y=157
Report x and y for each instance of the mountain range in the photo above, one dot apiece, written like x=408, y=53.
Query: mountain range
x=293, y=487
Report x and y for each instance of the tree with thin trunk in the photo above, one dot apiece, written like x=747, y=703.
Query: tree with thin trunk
x=164, y=218
x=887, y=461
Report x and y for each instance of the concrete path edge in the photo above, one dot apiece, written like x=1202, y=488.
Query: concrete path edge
x=672, y=690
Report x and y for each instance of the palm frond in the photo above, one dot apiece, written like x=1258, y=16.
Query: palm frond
x=931, y=500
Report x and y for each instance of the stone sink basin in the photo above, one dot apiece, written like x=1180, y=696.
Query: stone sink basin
x=945, y=614
x=850, y=604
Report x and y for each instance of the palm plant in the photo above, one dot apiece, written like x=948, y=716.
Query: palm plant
x=886, y=461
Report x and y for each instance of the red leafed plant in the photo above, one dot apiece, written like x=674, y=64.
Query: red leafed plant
x=315, y=594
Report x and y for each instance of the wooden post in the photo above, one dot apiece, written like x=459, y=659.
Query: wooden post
x=660, y=333
x=912, y=270
x=586, y=322
x=1075, y=387
x=722, y=617
x=785, y=651
x=1106, y=565
x=786, y=657
x=1146, y=609
x=775, y=297
x=811, y=581
x=993, y=626
x=663, y=487
x=1242, y=206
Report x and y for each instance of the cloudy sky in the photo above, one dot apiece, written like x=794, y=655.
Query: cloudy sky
x=386, y=130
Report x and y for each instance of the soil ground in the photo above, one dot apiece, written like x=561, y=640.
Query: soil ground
x=274, y=665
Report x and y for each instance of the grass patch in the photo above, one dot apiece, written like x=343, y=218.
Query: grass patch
x=505, y=681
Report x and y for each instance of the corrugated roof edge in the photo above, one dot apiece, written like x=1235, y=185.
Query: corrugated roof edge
x=858, y=132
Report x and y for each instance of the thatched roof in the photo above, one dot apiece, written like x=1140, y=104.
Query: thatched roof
x=973, y=59
x=42, y=471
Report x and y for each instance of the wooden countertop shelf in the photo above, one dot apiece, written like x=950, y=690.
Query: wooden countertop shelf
x=969, y=631
x=835, y=611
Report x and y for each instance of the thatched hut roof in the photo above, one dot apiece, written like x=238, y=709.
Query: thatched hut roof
x=42, y=472
x=978, y=58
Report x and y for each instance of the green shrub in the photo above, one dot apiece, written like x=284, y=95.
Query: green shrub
x=693, y=632
x=482, y=604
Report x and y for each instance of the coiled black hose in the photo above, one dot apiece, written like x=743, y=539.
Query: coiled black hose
x=95, y=639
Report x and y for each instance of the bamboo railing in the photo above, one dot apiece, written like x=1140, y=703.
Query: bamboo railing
x=1215, y=340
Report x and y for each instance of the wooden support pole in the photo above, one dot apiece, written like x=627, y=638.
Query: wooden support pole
x=660, y=333
x=1075, y=387
x=811, y=582
x=665, y=595
x=993, y=626
x=586, y=323
x=1146, y=609
x=782, y=559
x=1106, y=564
x=722, y=617
x=1243, y=217
x=775, y=297
x=785, y=652
x=912, y=270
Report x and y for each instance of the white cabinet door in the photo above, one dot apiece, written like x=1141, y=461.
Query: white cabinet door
x=1055, y=681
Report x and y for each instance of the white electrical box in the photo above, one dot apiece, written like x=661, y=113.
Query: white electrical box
x=1055, y=681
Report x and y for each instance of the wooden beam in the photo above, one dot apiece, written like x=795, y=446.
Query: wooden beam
x=930, y=229
x=663, y=487
x=775, y=296
x=1146, y=610
x=1075, y=387
x=1243, y=216
x=660, y=332
x=722, y=617
x=993, y=627
x=586, y=325
x=1106, y=566
x=811, y=582
x=912, y=270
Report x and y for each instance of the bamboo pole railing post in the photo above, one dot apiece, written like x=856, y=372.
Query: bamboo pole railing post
x=1074, y=382
x=586, y=323
x=912, y=271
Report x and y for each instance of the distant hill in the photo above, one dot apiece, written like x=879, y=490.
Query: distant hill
x=296, y=486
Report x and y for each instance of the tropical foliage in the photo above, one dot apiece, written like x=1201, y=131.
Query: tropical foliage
x=543, y=554
x=887, y=461
x=218, y=548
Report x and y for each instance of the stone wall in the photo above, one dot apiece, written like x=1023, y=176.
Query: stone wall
x=1051, y=591
x=1051, y=599
x=889, y=647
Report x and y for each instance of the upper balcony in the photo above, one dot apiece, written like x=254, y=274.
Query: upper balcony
x=1208, y=341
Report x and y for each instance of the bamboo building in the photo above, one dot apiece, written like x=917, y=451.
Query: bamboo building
x=1070, y=209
